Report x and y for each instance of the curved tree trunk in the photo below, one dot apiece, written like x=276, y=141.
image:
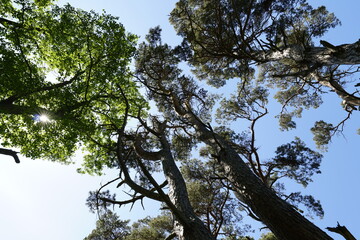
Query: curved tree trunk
x=187, y=226
x=281, y=218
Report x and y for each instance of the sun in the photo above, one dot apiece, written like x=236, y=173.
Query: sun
x=44, y=118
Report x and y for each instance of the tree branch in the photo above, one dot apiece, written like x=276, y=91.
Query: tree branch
x=343, y=231
x=10, y=153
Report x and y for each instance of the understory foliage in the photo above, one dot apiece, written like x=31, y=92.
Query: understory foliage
x=67, y=85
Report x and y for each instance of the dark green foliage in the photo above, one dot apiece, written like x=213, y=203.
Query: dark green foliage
x=109, y=227
x=227, y=36
x=248, y=103
x=95, y=202
x=157, y=228
x=296, y=161
x=322, y=133
x=314, y=206
x=268, y=236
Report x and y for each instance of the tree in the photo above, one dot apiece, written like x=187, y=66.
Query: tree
x=185, y=110
x=228, y=38
x=95, y=102
x=157, y=228
x=109, y=227
x=268, y=236
x=63, y=73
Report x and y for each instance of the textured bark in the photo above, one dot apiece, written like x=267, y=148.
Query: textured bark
x=346, y=54
x=281, y=218
x=348, y=99
x=187, y=226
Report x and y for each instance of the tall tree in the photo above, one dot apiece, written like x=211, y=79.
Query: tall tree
x=186, y=110
x=94, y=101
x=63, y=73
x=228, y=38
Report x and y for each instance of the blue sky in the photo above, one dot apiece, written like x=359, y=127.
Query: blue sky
x=44, y=200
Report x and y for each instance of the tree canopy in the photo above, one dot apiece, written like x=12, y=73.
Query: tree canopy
x=72, y=67
x=67, y=85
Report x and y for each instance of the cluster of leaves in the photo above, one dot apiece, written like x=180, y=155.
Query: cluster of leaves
x=225, y=39
x=93, y=97
x=72, y=66
x=226, y=36
x=109, y=227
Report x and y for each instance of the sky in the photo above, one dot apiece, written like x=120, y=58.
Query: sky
x=42, y=200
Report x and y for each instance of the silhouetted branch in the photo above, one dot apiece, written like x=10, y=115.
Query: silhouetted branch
x=10, y=153
x=343, y=231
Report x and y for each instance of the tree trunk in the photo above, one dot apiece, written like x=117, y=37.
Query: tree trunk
x=346, y=54
x=187, y=225
x=281, y=218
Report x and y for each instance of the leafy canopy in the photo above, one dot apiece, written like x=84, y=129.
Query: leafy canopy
x=71, y=66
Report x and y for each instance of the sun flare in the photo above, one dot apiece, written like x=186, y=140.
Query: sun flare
x=44, y=118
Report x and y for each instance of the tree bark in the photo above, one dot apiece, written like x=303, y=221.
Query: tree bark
x=190, y=227
x=346, y=54
x=281, y=218
x=343, y=231
x=187, y=225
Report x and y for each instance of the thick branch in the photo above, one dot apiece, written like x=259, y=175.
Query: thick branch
x=146, y=154
x=10, y=153
x=15, y=97
x=347, y=54
x=338, y=89
x=343, y=231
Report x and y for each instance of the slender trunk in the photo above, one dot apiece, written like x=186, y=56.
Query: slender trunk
x=187, y=226
x=190, y=227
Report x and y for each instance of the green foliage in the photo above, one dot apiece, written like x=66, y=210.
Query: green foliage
x=72, y=66
x=298, y=161
x=157, y=228
x=313, y=206
x=109, y=227
x=227, y=36
x=322, y=133
x=268, y=236
x=248, y=103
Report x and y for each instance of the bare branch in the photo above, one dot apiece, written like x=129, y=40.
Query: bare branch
x=10, y=153
x=343, y=231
